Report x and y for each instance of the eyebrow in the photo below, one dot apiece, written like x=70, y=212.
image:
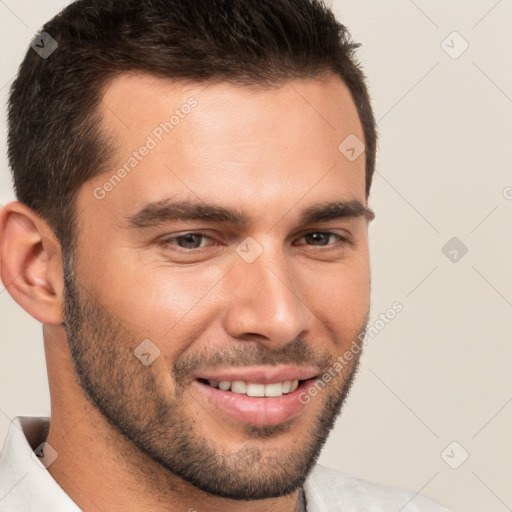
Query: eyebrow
x=161, y=212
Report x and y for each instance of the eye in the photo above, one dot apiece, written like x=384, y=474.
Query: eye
x=187, y=241
x=321, y=238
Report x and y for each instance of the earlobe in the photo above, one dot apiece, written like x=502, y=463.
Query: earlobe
x=31, y=263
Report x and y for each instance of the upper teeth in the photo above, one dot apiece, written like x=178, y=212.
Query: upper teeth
x=254, y=389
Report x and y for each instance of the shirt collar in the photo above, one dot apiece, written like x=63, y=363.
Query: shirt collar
x=25, y=483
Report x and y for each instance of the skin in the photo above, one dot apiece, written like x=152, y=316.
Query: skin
x=270, y=154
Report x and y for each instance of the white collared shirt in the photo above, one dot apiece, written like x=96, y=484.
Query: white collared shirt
x=27, y=486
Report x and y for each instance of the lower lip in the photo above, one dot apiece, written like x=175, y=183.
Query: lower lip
x=256, y=410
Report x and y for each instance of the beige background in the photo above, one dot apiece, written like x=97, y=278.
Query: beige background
x=440, y=371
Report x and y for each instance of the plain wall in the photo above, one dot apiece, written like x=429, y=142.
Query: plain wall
x=439, y=372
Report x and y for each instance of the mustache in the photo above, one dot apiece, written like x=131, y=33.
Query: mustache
x=298, y=352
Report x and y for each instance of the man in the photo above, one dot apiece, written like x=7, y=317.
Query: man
x=191, y=232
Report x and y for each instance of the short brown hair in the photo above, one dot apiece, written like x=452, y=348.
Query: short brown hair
x=55, y=142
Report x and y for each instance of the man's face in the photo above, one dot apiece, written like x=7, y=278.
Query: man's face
x=233, y=284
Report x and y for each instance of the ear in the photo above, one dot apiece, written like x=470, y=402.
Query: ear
x=31, y=263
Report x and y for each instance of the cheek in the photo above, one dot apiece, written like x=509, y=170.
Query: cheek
x=348, y=280
x=173, y=306
x=162, y=303
x=354, y=292
x=340, y=298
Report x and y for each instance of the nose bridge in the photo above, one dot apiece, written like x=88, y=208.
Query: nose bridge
x=267, y=302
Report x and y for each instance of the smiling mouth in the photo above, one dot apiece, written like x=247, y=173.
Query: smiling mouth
x=268, y=402
x=254, y=389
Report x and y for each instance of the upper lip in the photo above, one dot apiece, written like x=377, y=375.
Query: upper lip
x=259, y=374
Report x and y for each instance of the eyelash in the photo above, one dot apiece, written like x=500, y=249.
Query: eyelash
x=168, y=240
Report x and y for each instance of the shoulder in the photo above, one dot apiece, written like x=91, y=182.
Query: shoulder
x=328, y=489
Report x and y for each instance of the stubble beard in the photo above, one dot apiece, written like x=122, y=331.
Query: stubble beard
x=129, y=396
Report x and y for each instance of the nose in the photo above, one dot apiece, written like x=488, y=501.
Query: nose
x=266, y=302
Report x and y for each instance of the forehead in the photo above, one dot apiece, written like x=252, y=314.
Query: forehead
x=233, y=143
